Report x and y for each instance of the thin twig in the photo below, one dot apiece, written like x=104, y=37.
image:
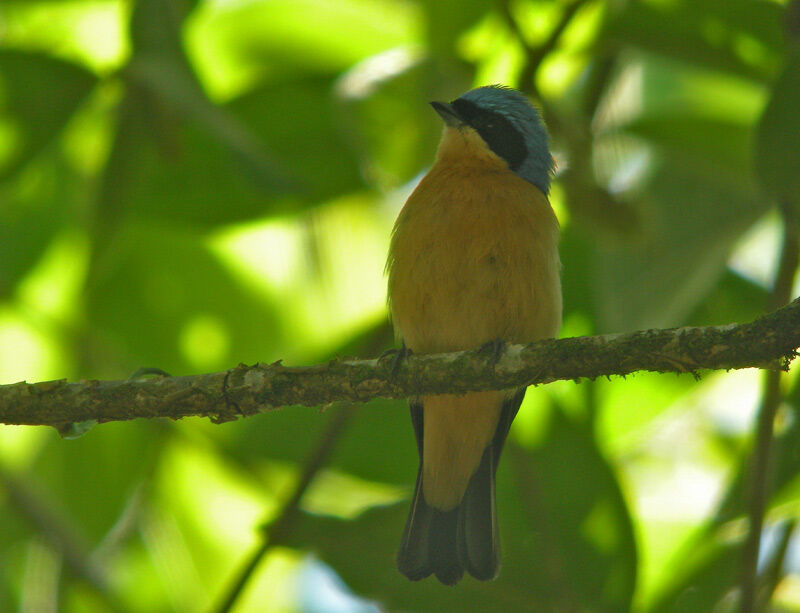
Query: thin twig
x=537, y=54
x=761, y=473
x=772, y=575
x=275, y=531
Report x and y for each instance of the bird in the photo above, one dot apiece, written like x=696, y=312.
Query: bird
x=473, y=262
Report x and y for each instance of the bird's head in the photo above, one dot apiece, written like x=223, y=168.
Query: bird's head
x=508, y=125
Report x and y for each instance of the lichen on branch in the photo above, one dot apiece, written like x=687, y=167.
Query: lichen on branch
x=770, y=341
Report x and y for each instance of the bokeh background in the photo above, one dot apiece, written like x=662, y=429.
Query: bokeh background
x=193, y=184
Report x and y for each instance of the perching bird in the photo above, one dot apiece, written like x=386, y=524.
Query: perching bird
x=473, y=260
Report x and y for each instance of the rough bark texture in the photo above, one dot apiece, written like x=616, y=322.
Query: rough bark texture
x=768, y=342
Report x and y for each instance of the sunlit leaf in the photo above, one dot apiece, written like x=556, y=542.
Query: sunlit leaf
x=386, y=116
x=237, y=45
x=164, y=281
x=705, y=572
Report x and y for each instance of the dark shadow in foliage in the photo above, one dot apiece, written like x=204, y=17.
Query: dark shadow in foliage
x=34, y=187
x=53, y=90
x=582, y=546
x=680, y=30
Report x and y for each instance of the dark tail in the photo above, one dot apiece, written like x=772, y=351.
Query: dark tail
x=446, y=543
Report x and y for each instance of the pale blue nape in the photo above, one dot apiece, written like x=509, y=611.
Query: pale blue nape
x=538, y=166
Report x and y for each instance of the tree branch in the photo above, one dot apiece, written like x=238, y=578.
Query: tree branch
x=767, y=342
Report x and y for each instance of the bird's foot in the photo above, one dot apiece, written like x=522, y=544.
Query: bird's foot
x=398, y=356
x=493, y=350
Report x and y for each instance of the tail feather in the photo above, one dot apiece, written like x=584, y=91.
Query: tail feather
x=413, y=559
x=446, y=543
x=478, y=538
x=443, y=539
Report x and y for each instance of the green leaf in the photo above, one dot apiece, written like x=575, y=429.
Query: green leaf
x=175, y=93
x=24, y=235
x=785, y=468
x=692, y=222
x=567, y=539
x=705, y=573
x=15, y=537
x=31, y=116
x=736, y=36
x=156, y=26
x=163, y=167
x=585, y=553
x=168, y=166
x=388, y=120
x=577, y=250
x=237, y=44
x=301, y=125
x=447, y=20
x=162, y=83
x=362, y=551
x=715, y=147
x=695, y=195
x=378, y=444
x=777, y=154
x=159, y=297
x=734, y=299
x=93, y=477
x=33, y=207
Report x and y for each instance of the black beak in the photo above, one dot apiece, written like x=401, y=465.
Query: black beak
x=447, y=113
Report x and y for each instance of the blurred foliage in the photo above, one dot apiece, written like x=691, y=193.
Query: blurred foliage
x=192, y=184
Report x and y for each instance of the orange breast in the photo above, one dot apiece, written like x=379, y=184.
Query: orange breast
x=474, y=258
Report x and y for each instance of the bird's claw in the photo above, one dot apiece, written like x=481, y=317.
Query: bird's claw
x=493, y=350
x=398, y=356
